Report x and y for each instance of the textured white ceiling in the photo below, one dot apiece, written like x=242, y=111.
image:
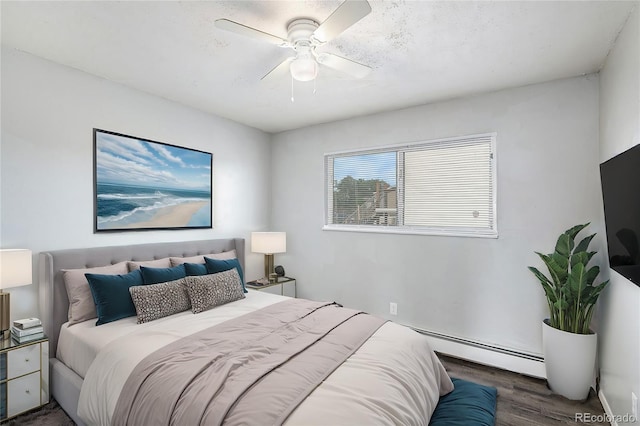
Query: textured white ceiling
x=420, y=51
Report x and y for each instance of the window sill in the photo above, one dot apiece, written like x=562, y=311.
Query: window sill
x=410, y=231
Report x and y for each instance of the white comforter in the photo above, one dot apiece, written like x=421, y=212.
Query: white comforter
x=394, y=378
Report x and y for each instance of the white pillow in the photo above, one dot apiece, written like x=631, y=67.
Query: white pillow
x=158, y=263
x=81, y=304
x=225, y=255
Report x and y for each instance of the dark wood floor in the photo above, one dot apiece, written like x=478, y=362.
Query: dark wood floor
x=522, y=400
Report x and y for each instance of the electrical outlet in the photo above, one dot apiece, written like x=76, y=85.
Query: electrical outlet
x=393, y=308
x=634, y=405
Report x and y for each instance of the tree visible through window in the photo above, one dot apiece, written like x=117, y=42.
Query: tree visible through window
x=442, y=187
x=363, y=184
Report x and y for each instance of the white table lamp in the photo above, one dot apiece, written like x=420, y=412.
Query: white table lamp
x=268, y=243
x=15, y=271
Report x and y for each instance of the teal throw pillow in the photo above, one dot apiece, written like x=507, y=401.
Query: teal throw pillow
x=111, y=295
x=195, y=269
x=162, y=275
x=218, y=265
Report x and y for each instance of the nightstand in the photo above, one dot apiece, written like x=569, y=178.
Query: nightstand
x=24, y=376
x=284, y=286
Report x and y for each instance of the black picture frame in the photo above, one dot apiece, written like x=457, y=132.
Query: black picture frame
x=145, y=185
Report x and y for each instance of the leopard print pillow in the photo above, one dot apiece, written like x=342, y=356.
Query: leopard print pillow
x=159, y=300
x=209, y=291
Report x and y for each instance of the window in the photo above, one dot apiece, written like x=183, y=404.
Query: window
x=444, y=187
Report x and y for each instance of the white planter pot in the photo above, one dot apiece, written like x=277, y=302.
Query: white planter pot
x=570, y=361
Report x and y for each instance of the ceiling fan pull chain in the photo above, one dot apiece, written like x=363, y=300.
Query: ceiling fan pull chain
x=292, y=99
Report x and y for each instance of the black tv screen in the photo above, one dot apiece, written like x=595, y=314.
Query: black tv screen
x=620, y=177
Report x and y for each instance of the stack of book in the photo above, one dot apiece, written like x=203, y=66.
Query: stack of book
x=26, y=330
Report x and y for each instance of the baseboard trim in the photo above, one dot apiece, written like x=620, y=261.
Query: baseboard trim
x=527, y=364
x=607, y=408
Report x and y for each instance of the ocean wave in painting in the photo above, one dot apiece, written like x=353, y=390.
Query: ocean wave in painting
x=122, y=205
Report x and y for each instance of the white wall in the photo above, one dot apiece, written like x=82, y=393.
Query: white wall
x=48, y=113
x=620, y=303
x=480, y=289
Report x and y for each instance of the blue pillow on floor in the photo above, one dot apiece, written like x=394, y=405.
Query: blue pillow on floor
x=162, y=275
x=111, y=295
x=469, y=404
x=217, y=265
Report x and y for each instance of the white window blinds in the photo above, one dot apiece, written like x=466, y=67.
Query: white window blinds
x=437, y=187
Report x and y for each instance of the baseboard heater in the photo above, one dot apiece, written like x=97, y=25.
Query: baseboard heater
x=512, y=352
x=484, y=353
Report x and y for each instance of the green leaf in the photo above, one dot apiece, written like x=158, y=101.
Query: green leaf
x=590, y=255
x=577, y=280
x=539, y=275
x=562, y=261
x=592, y=274
x=549, y=292
x=564, y=245
x=586, y=293
x=547, y=285
x=557, y=268
x=584, y=244
x=579, y=258
x=572, y=232
x=583, y=257
x=595, y=293
x=577, y=283
x=547, y=259
x=561, y=265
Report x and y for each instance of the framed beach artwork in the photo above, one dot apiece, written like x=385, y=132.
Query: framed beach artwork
x=141, y=184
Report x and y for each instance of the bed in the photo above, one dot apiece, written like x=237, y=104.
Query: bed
x=393, y=377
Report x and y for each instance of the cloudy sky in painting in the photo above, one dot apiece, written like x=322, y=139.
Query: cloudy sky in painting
x=130, y=161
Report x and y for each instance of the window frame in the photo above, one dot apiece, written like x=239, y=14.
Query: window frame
x=407, y=229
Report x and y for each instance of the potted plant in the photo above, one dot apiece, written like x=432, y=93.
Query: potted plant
x=569, y=344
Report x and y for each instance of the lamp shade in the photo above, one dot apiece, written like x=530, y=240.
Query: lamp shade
x=15, y=268
x=268, y=242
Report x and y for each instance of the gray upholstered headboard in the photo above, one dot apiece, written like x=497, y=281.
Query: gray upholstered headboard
x=54, y=303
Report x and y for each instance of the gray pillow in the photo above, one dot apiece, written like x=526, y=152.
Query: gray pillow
x=158, y=263
x=209, y=291
x=231, y=254
x=159, y=300
x=81, y=304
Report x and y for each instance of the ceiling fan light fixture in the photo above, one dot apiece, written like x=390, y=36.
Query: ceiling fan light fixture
x=304, y=69
x=304, y=35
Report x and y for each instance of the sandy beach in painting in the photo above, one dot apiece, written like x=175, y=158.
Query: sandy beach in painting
x=136, y=207
x=172, y=216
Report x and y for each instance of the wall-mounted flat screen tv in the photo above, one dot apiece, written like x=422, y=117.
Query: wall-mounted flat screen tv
x=620, y=178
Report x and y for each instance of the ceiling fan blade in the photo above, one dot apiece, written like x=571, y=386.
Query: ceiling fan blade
x=347, y=66
x=347, y=14
x=234, y=27
x=278, y=70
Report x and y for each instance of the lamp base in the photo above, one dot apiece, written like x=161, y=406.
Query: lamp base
x=268, y=266
x=5, y=313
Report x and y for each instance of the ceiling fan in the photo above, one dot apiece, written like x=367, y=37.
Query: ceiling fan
x=304, y=35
